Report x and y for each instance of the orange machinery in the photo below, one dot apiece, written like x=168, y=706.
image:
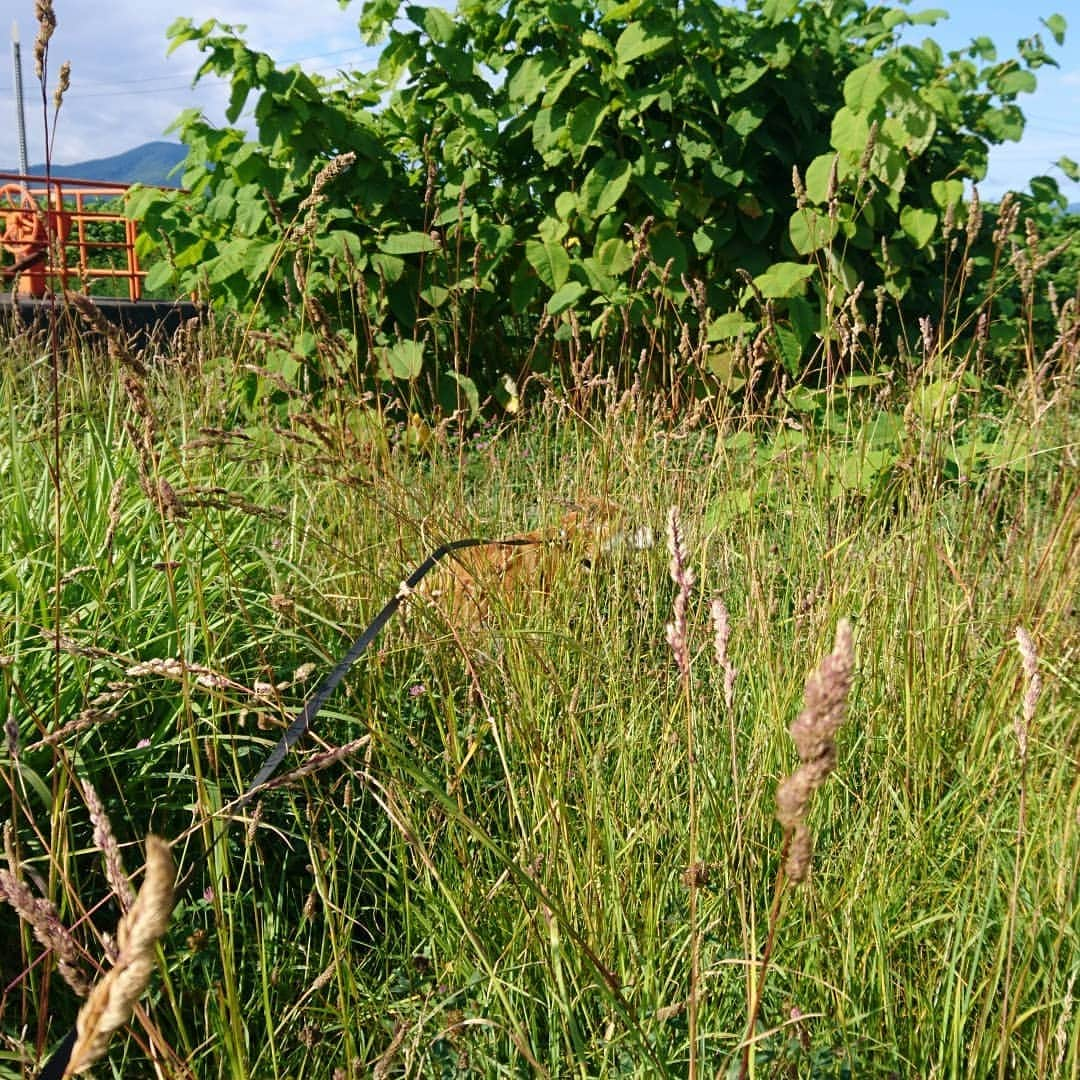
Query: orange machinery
x=60, y=230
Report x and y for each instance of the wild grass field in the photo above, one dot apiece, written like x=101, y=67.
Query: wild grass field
x=544, y=843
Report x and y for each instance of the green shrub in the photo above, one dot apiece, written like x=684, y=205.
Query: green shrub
x=539, y=163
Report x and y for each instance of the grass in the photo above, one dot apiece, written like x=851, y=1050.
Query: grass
x=496, y=881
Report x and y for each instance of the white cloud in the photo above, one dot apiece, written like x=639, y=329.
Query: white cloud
x=125, y=90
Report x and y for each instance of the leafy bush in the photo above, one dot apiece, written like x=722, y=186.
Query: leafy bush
x=554, y=161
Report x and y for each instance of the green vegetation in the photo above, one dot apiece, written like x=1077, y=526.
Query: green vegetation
x=574, y=837
x=493, y=880
x=546, y=165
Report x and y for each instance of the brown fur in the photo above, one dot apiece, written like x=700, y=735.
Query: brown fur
x=473, y=582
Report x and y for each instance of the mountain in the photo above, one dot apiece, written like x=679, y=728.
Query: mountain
x=150, y=163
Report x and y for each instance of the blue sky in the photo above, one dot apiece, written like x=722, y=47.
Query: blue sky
x=125, y=91
x=1053, y=111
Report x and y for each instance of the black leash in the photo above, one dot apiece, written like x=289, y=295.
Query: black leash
x=53, y=1069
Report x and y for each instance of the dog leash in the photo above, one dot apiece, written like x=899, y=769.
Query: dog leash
x=54, y=1068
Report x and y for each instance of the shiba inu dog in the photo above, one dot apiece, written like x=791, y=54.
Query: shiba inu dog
x=474, y=582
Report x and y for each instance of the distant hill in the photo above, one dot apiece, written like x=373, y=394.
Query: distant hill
x=1074, y=208
x=150, y=163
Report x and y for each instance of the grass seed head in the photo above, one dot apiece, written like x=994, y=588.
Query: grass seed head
x=975, y=217
x=40, y=915
x=109, y=848
x=1029, y=658
x=46, y=20
x=113, y=999
x=310, y=204
x=63, y=84
x=722, y=634
x=814, y=733
x=683, y=576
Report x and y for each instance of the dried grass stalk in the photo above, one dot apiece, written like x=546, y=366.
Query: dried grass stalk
x=676, y=631
x=114, y=338
x=1033, y=688
x=40, y=915
x=113, y=999
x=107, y=844
x=814, y=733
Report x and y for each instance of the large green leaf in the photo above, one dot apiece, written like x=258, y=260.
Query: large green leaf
x=889, y=165
x=946, y=193
x=784, y=279
x=1003, y=125
x=438, y=24
x=928, y=17
x=600, y=281
x=142, y=200
x=561, y=80
x=527, y=83
x=1056, y=25
x=566, y=297
x=259, y=255
x=790, y=349
x=389, y=267
x=251, y=210
x=549, y=134
x=456, y=389
x=669, y=253
x=658, y=191
x=231, y=260
x=405, y=359
x=604, y=185
x=585, y=120
x=776, y=11
x=408, y=243
x=1016, y=81
x=614, y=256
x=524, y=286
x=550, y=261
x=811, y=230
x=158, y=276
x=804, y=319
x=745, y=121
x=817, y=177
x=864, y=86
x=1069, y=167
x=912, y=122
x=918, y=224
x=636, y=41
x=733, y=324
x=850, y=132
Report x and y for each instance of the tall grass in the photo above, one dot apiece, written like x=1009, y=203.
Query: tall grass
x=544, y=843
x=498, y=880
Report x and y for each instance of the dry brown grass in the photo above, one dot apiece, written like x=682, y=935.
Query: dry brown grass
x=113, y=998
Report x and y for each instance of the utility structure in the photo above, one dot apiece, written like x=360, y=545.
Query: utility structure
x=20, y=108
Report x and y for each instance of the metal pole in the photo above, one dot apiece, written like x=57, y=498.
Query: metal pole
x=20, y=114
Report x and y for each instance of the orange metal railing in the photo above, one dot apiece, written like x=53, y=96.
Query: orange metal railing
x=62, y=231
